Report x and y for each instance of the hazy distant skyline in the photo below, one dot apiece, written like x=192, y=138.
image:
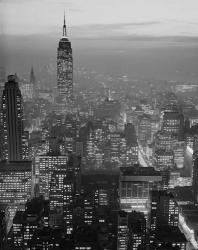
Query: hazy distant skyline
x=95, y=18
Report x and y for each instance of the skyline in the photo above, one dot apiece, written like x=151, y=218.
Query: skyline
x=98, y=124
x=94, y=19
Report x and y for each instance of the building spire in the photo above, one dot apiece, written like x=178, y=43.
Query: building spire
x=64, y=27
x=32, y=76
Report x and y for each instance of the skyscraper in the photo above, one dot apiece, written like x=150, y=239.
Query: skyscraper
x=65, y=68
x=45, y=165
x=135, y=185
x=12, y=120
x=123, y=231
x=28, y=87
x=32, y=76
x=164, y=210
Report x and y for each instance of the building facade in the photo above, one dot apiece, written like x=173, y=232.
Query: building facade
x=12, y=120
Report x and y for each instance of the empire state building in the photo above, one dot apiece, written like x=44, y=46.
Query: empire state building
x=65, y=69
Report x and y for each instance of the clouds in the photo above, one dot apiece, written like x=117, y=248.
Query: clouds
x=141, y=17
x=107, y=30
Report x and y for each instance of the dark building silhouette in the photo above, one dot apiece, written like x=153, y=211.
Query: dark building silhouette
x=137, y=229
x=164, y=210
x=2, y=229
x=12, y=120
x=32, y=76
x=123, y=231
x=2, y=80
x=173, y=122
x=25, y=224
x=195, y=180
x=65, y=68
x=131, y=144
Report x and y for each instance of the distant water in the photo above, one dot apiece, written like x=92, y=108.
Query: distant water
x=177, y=62
x=163, y=60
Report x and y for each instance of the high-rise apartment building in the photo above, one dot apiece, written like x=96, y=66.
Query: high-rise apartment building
x=65, y=68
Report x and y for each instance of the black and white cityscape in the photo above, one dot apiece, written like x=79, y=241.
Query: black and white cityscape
x=99, y=125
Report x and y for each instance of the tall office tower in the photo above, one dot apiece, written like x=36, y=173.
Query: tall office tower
x=90, y=147
x=25, y=146
x=108, y=109
x=71, y=190
x=163, y=140
x=2, y=80
x=17, y=228
x=101, y=186
x=131, y=144
x=173, y=123
x=56, y=191
x=164, y=160
x=164, y=210
x=47, y=238
x=144, y=129
x=15, y=182
x=2, y=83
x=32, y=76
x=68, y=198
x=137, y=229
x=85, y=237
x=115, y=139
x=12, y=120
x=2, y=230
x=164, y=223
x=195, y=180
x=88, y=205
x=123, y=231
x=25, y=223
x=28, y=87
x=45, y=165
x=65, y=68
x=135, y=186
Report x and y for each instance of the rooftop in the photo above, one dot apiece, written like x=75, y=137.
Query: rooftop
x=15, y=166
x=172, y=115
x=139, y=171
x=183, y=194
x=170, y=234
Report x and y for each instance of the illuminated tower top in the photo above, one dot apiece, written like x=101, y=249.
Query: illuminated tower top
x=65, y=68
x=64, y=28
